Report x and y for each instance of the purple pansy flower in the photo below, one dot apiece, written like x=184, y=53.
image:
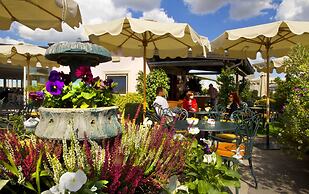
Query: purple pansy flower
x=54, y=76
x=54, y=88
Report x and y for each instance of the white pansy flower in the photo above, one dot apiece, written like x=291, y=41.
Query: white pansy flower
x=73, y=181
x=55, y=190
x=210, y=158
x=207, y=158
x=237, y=154
x=206, y=141
x=147, y=122
x=93, y=188
x=178, y=137
x=194, y=130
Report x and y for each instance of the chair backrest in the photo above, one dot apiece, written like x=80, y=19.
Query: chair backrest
x=181, y=113
x=167, y=113
x=248, y=128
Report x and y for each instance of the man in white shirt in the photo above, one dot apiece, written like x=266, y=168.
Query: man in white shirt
x=160, y=99
x=161, y=106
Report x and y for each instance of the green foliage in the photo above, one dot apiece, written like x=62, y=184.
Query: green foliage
x=122, y=100
x=281, y=94
x=208, y=176
x=81, y=95
x=39, y=87
x=244, y=90
x=227, y=84
x=156, y=78
x=295, y=120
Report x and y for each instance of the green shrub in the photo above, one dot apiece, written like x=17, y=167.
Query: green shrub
x=156, y=78
x=122, y=100
x=295, y=120
x=227, y=84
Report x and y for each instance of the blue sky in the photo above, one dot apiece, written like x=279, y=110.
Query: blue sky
x=208, y=17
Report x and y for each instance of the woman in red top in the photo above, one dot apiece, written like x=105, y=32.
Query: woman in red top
x=189, y=103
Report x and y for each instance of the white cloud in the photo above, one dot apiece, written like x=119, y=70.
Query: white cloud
x=52, y=35
x=205, y=7
x=157, y=15
x=98, y=11
x=8, y=40
x=246, y=9
x=238, y=10
x=138, y=5
x=293, y=10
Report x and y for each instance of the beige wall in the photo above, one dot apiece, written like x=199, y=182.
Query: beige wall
x=121, y=65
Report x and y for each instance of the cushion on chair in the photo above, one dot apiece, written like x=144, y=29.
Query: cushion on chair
x=229, y=149
x=228, y=136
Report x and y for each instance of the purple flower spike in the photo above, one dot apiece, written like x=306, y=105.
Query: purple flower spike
x=54, y=88
x=54, y=76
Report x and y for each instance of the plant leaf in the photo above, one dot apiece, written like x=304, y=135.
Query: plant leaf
x=88, y=96
x=84, y=105
x=38, y=168
x=3, y=183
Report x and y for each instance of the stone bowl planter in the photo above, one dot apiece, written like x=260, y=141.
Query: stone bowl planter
x=97, y=123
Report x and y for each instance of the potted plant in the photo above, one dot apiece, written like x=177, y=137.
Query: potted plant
x=78, y=101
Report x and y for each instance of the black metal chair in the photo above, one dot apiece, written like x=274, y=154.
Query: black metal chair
x=243, y=147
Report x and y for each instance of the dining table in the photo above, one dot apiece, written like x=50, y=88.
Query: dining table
x=203, y=125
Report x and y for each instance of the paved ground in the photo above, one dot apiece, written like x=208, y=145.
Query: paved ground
x=276, y=172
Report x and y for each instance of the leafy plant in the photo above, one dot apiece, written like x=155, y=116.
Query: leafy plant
x=21, y=162
x=295, y=121
x=226, y=85
x=84, y=92
x=206, y=174
x=156, y=78
x=122, y=100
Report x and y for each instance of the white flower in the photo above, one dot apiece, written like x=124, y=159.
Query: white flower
x=206, y=141
x=147, y=122
x=73, y=181
x=237, y=154
x=93, y=188
x=178, y=137
x=54, y=190
x=194, y=130
x=210, y=158
x=207, y=158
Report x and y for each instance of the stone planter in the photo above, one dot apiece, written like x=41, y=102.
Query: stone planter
x=97, y=123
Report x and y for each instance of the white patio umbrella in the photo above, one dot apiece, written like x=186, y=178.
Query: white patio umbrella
x=25, y=55
x=44, y=14
x=272, y=39
x=275, y=63
x=144, y=38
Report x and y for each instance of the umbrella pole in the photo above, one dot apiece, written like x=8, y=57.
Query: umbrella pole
x=144, y=69
x=267, y=98
x=28, y=79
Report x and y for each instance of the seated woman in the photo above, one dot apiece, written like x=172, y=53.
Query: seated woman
x=234, y=103
x=189, y=103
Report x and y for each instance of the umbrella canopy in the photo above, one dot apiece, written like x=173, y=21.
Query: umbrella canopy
x=277, y=38
x=144, y=38
x=44, y=14
x=275, y=63
x=272, y=39
x=26, y=55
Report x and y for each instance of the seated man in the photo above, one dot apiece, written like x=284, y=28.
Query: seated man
x=160, y=103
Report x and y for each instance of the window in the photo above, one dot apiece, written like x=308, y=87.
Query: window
x=121, y=80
